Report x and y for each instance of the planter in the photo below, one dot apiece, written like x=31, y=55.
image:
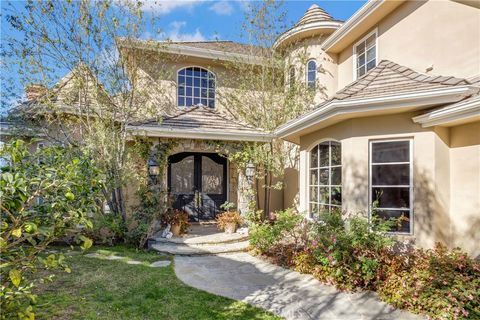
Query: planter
x=175, y=229
x=230, y=227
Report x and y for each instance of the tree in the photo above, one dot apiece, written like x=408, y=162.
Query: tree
x=104, y=90
x=46, y=196
x=262, y=97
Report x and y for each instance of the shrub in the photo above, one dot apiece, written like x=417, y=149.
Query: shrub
x=441, y=283
x=348, y=252
x=228, y=217
x=177, y=217
x=107, y=229
x=263, y=236
x=46, y=196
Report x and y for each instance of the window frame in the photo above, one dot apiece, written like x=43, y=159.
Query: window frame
x=308, y=72
x=329, y=167
x=193, y=88
x=410, y=186
x=355, y=67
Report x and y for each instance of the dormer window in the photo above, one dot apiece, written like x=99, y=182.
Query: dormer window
x=195, y=86
x=311, y=74
x=365, y=54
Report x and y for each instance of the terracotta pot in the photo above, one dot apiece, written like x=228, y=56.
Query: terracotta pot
x=175, y=229
x=230, y=227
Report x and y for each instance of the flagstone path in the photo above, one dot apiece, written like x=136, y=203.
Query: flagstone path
x=156, y=264
x=284, y=292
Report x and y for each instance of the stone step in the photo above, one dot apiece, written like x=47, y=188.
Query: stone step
x=184, y=249
x=217, y=238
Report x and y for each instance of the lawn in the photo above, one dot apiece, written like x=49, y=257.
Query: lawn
x=112, y=289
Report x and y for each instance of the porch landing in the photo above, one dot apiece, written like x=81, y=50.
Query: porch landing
x=201, y=239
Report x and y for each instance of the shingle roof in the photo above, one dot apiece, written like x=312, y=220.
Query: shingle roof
x=391, y=78
x=314, y=14
x=226, y=46
x=201, y=119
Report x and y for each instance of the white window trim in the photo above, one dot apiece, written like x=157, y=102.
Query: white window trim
x=308, y=160
x=411, y=186
x=177, y=85
x=354, y=49
x=307, y=71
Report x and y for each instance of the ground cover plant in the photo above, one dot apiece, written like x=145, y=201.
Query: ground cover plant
x=114, y=289
x=353, y=253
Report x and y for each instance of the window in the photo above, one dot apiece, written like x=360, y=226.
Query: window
x=195, y=86
x=311, y=74
x=325, y=177
x=365, y=53
x=291, y=76
x=391, y=188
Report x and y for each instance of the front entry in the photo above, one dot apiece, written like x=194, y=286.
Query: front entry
x=197, y=182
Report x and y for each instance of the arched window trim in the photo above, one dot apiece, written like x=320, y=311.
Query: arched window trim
x=311, y=185
x=311, y=84
x=185, y=105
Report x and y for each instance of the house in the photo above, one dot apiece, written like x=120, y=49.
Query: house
x=401, y=133
x=395, y=129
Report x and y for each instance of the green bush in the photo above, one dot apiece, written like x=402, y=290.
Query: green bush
x=441, y=283
x=347, y=252
x=46, y=196
x=263, y=236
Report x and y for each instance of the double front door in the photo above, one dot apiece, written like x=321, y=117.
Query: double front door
x=197, y=183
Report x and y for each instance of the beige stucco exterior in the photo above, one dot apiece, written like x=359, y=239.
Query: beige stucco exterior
x=446, y=175
x=444, y=35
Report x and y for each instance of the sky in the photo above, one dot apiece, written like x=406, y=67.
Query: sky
x=186, y=20
x=198, y=20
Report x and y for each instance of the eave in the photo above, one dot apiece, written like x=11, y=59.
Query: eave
x=150, y=131
x=202, y=53
x=458, y=113
x=359, y=23
x=338, y=110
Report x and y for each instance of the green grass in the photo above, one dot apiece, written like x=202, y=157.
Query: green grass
x=113, y=289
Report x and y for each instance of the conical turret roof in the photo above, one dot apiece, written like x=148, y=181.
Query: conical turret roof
x=314, y=14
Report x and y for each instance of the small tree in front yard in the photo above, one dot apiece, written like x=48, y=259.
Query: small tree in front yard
x=46, y=196
x=262, y=98
x=104, y=90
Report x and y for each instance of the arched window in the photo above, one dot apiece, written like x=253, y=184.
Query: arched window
x=291, y=76
x=195, y=86
x=325, y=177
x=311, y=74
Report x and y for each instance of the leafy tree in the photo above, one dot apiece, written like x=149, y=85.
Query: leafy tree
x=46, y=196
x=104, y=90
x=262, y=97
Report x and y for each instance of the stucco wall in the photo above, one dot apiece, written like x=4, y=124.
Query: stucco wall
x=303, y=51
x=436, y=166
x=418, y=34
x=465, y=186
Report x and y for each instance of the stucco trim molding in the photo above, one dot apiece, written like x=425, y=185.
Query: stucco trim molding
x=462, y=111
x=195, y=134
x=297, y=30
x=333, y=108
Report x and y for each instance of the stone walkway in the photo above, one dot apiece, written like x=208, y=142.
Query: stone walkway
x=284, y=292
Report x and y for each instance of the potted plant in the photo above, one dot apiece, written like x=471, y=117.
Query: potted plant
x=178, y=221
x=229, y=220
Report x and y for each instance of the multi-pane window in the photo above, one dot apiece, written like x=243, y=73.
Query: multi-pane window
x=325, y=177
x=311, y=74
x=196, y=86
x=391, y=182
x=366, y=54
